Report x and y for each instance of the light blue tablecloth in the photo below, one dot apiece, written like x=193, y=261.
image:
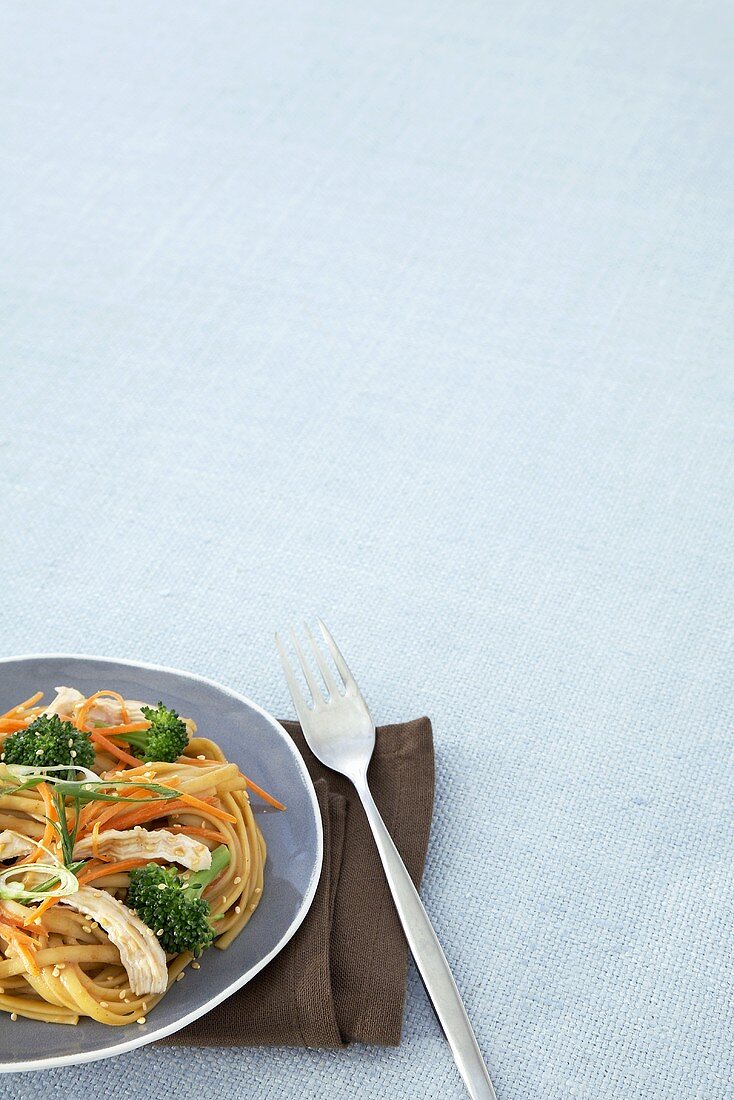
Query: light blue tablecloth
x=418, y=316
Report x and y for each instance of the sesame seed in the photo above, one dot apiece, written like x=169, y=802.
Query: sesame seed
x=122, y=994
x=224, y=899
x=196, y=966
x=237, y=909
x=257, y=890
x=104, y=1004
x=39, y=752
x=237, y=881
x=86, y=928
x=159, y=932
x=38, y=921
x=161, y=885
x=181, y=975
x=72, y=754
x=141, y=1019
x=71, y=742
x=202, y=757
x=13, y=1015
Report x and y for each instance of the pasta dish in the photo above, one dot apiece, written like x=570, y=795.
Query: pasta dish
x=127, y=847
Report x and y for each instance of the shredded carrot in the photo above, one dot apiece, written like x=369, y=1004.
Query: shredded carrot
x=49, y=832
x=158, y=808
x=23, y=706
x=6, y=917
x=207, y=807
x=263, y=794
x=152, y=808
x=23, y=944
x=101, y=742
x=104, y=811
x=95, y=840
x=37, y=913
x=87, y=705
x=12, y=725
x=89, y=874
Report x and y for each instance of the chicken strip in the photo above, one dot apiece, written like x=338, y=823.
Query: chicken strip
x=140, y=952
x=12, y=845
x=138, y=843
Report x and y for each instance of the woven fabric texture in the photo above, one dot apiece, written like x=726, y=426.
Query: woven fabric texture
x=416, y=316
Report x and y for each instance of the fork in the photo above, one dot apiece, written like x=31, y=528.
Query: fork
x=340, y=732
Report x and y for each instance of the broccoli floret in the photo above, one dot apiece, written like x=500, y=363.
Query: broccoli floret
x=172, y=906
x=47, y=741
x=165, y=740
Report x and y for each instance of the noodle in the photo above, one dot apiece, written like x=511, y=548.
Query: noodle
x=58, y=965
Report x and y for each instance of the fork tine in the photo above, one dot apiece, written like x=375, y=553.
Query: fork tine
x=339, y=661
x=313, y=686
x=321, y=662
x=302, y=709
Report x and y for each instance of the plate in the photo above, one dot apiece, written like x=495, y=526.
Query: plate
x=259, y=744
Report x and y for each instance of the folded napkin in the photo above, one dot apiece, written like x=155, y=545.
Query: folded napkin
x=341, y=978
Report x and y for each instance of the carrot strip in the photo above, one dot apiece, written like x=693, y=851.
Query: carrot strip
x=23, y=706
x=153, y=808
x=94, y=810
x=89, y=703
x=101, y=742
x=162, y=808
x=89, y=874
x=183, y=799
x=207, y=807
x=22, y=944
x=101, y=812
x=12, y=725
x=10, y=918
x=263, y=794
x=49, y=832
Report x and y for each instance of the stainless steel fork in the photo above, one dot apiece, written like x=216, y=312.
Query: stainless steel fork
x=340, y=731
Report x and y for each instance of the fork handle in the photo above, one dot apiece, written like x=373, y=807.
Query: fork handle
x=429, y=957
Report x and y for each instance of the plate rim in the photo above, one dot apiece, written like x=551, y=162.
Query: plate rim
x=38, y=1064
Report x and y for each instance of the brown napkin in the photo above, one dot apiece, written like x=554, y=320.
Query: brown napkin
x=341, y=978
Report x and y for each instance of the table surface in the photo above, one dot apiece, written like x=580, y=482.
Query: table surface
x=417, y=316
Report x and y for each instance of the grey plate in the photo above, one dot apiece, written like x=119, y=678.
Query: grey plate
x=265, y=752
